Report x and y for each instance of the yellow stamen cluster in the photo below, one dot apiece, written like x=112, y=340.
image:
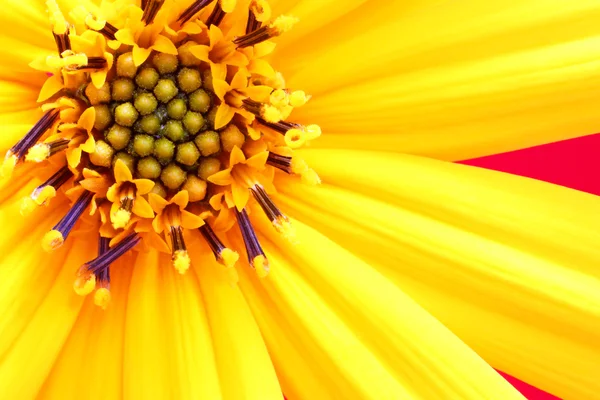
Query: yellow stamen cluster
x=165, y=125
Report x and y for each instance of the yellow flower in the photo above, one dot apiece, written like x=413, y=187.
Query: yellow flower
x=411, y=277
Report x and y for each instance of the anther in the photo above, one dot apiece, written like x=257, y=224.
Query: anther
x=281, y=25
x=109, y=31
x=42, y=151
x=192, y=10
x=223, y=255
x=18, y=151
x=280, y=222
x=216, y=16
x=255, y=253
x=180, y=257
x=259, y=11
x=266, y=112
x=151, y=8
x=60, y=27
x=282, y=163
x=103, y=27
x=46, y=191
x=57, y=236
x=98, y=269
x=94, y=63
x=294, y=166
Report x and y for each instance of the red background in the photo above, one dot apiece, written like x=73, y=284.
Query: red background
x=572, y=163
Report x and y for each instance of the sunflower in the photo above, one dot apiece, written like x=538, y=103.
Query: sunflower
x=236, y=274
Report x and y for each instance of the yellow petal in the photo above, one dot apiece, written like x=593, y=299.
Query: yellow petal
x=181, y=199
x=258, y=161
x=464, y=81
x=190, y=221
x=471, y=244
x=164, y=45
x=156, y=335
x=140, y=55
x=143, y=186
x=373, y=340
x=156, y=202
x=52, y=86
x=92, y=348
x=241, y=195
x=122, y=172
x=54, y=316
x=242, y=359
x=142, y=208
x=221, y=178
x=125, y=36
x=224, y=115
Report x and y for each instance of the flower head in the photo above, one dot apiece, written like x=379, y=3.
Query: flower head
x=171, y=133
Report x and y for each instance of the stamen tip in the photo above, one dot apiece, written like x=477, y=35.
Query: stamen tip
x=229, y=257
x=8, y=166
x=261, y=265
x=84, y=284
x=38, y=153
x=52, y=240
x=102, y=298
x=120, y=218
x=181, y=261
x=286, y=229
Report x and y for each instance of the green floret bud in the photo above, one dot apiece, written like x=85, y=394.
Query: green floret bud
x=199, y=101
x=103, y=117
x=125, y=66
x=159, y=189
x=150, y=124
x=147, y=78
x=231, y=137
x=145, y=103
x=194, y=122
x=173, y=176
x=149, y=168
x=208, y=81
x=103, y=154
x=187, y=154
x=208, y=142
x=195, y=187
x=98, y=96
x=143, y=145
x=189, y=79
x=177, y=108
x=174, y=131
x=126, y=114
x=118, y=136
x=122, y=89
x=186, y=58
x=165, y=90
x=165, y=63
x=208, y=166
x=164, y=150
x=211, y=117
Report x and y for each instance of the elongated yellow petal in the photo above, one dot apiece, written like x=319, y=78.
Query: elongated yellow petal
x=166, y=326
x=451, y=80
x=41, y=339
x=90, y=365
x=518, y=256
x=245, y=368
x=371, y=338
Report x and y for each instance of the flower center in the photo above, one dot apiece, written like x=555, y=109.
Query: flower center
x=158, y=118
x=163, y=122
